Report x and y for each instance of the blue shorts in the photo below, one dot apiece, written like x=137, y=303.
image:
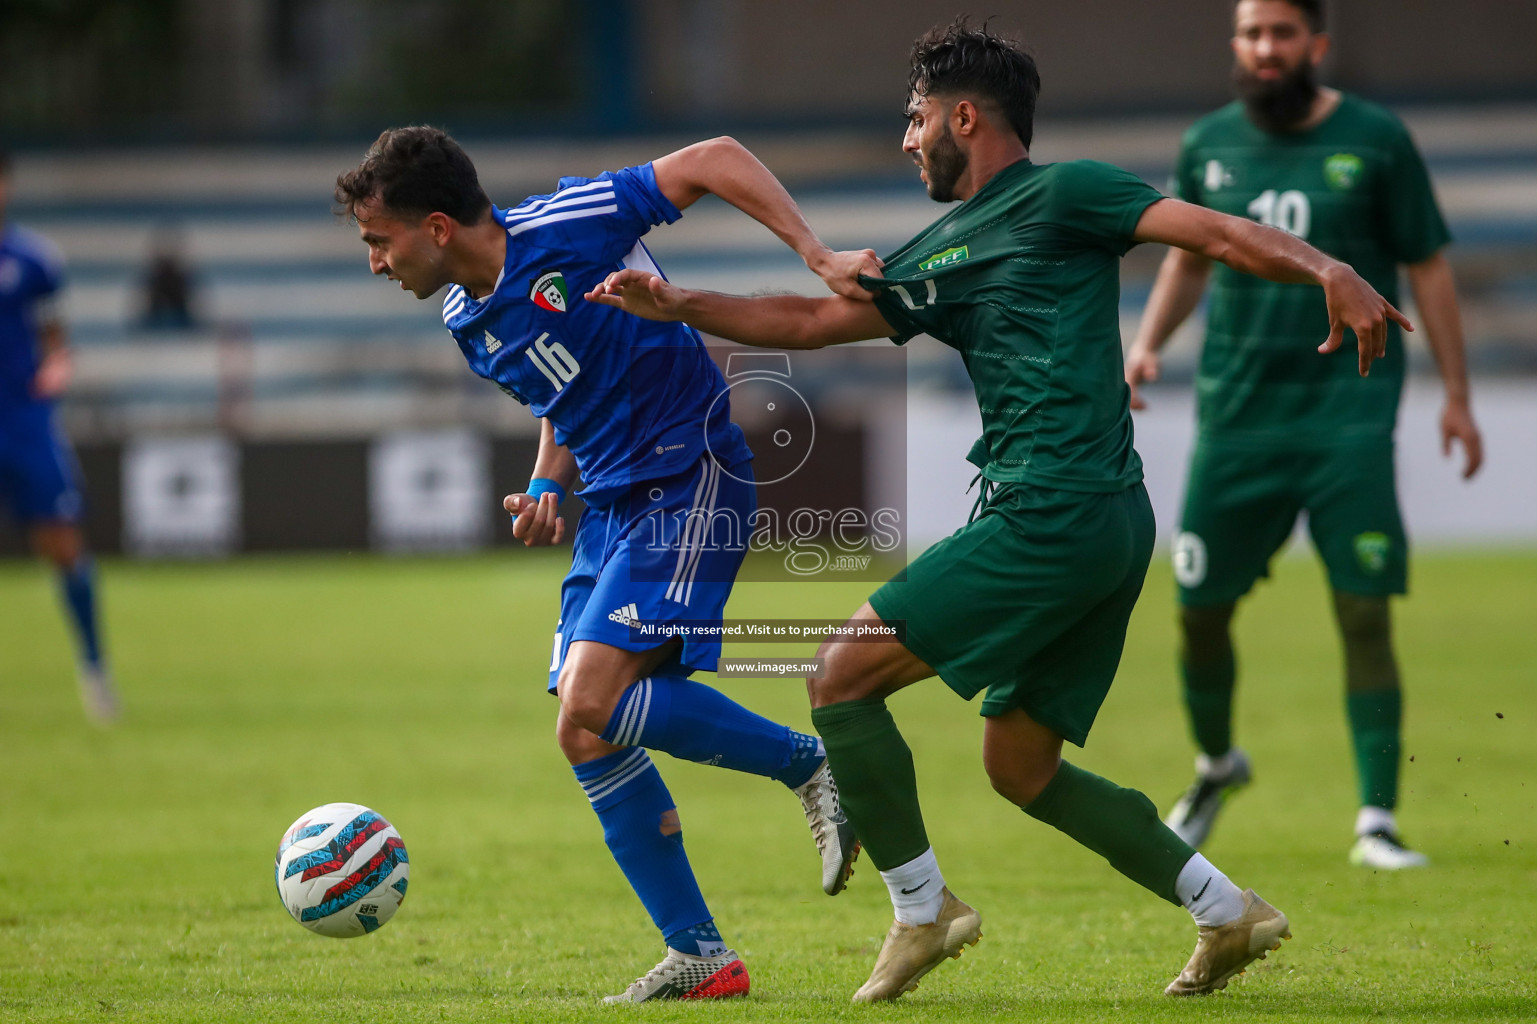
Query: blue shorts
x=667, y=552
x=39, y=478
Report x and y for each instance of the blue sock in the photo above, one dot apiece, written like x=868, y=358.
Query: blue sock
x=696, y=723
x=640, y=826
x=700, y=940
x=78, y=584
x=805, y=759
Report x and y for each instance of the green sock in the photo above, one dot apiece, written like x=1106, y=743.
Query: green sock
x=1121, y=825
x=1375, y=716
x=1209, y=669
x=1211, y=718
x=1373, y=699
x=876, y=782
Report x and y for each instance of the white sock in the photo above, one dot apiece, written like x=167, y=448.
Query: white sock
x=1206, y=892
x=1208, y=767
x=917, y=889
x=1375, y=819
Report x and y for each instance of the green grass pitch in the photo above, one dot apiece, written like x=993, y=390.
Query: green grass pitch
x=136, y=863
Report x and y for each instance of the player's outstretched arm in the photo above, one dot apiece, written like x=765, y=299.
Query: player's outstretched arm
x=1181, y=280
x=765, y=321
x=1277, y=256
x=1435, y=295
x=536, y=521
x=724, y=167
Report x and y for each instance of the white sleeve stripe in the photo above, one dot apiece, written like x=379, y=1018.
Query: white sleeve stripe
x=555, y=218
x=530, y=205
x=596, y=197
x=591, y=186
x=451, y=312
x=640, y=258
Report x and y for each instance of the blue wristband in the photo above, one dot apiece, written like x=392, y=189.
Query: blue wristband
x=544, y=485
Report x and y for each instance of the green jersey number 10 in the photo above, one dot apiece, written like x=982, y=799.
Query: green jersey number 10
x=1290, y=211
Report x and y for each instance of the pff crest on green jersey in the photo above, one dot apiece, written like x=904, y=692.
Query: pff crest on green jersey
x=1343, y=171
x=946, y=258
x=549, y=291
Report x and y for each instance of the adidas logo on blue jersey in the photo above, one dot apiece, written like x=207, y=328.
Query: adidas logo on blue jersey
x=492, y=343
x=629, y=615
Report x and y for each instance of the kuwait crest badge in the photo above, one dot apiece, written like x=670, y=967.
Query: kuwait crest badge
x=549, y=291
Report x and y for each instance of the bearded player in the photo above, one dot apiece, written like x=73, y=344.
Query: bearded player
x=1278, y=435
x=1029, y=601
x=639, y=411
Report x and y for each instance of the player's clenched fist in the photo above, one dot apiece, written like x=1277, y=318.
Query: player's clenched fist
x=536, y=521
x=645, y=295
x=841, y=271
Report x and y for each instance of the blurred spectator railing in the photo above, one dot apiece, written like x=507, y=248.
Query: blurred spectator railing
x=226, y=381
x=292, y=337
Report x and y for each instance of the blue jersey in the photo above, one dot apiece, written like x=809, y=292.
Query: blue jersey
x=631, y=399
x=30, y=271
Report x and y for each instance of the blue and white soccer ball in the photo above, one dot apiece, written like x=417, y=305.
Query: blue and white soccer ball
x=342, y=870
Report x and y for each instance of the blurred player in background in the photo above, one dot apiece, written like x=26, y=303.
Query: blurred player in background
x=1030, y=600
x=637, y=409
x=1279, y=434
x=39, y=481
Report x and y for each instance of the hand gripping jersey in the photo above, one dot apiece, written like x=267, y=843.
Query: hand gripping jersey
x=1023, y=279
x=1355, y=187
x=632, y=399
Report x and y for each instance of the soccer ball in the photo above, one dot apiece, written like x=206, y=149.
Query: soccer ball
x=342, y=870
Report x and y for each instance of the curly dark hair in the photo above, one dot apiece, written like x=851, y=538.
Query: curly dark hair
x=1312, y=10
x=414, y=172
x=963, y=59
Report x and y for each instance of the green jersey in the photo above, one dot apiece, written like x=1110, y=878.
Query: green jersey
x=1355, y=187
x=1023, y=279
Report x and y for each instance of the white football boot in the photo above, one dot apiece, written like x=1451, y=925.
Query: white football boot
x=97, y=694
x=685, y=976
x=831, y=829
x=1216, y=779
x=1385, y=851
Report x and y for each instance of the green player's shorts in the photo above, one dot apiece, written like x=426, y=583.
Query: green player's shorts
x=1241, y=505
x=1030, y=601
